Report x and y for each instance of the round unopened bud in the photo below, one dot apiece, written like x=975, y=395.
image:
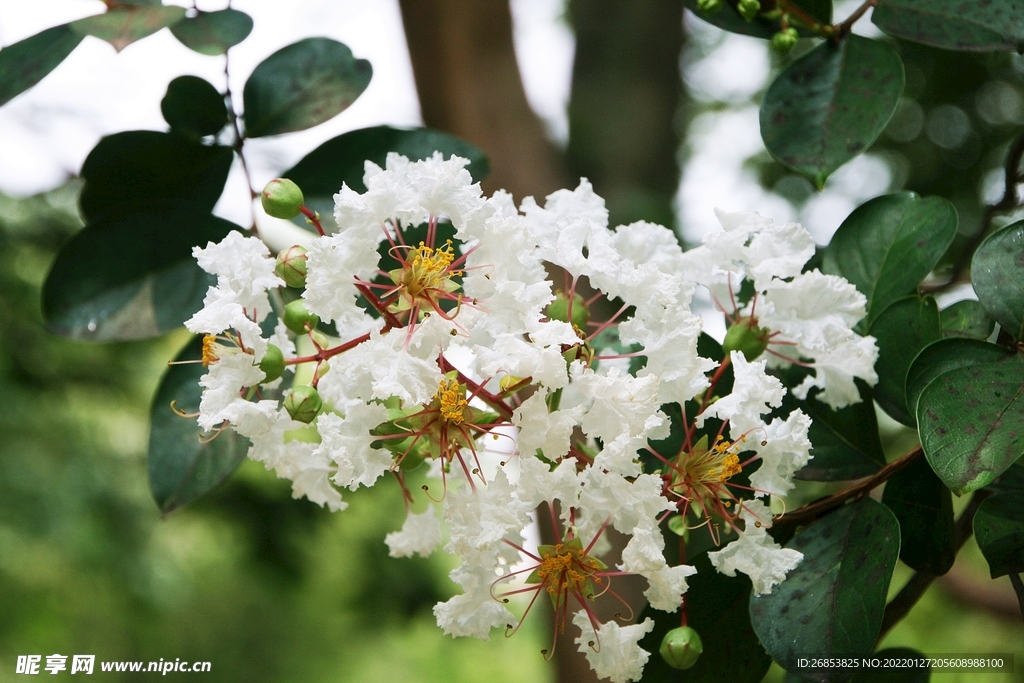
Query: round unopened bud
x=749, y=9
x=303, y=403
x=282, y=198
x=291, y=266
x=272, y=364
x=709, y=6
x=297, y=317
x=559, y=310
x=681, y=647
x=783, y=41
x=746, y=337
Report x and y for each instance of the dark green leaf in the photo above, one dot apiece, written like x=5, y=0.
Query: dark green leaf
x=123, y=25
x=943, y=356
x=1010, y=480
x=213, y=33
x=902, y=330
x=976, y=25
x=831, y=604
x=181, y=466
x=729, y=19
x=302, y=85
x=135, y=167
x=889, y=244
x=999, y=528
x=27, y=62
x=829, y=105
x=845, y=443
x=717, y=610
x=967, y=318
x=924, y=508
x=971, y=423
x=193, y=107
x=132, y=276
x=997, y=271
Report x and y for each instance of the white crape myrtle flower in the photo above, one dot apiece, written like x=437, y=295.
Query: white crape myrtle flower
x=613, y=651
x=347, y=442
x=420, y=535
x=754, y=393
x=755, y=553
x=221, y=400
x=542, y=430
x=783, y=449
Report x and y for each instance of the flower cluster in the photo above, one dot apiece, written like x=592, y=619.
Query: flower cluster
x=427, y=332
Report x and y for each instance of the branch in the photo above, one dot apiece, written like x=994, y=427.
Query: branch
x=919, y=582
x=840, y=30
x=820, y=507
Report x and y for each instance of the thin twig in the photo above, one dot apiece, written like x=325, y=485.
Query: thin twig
x=840, y=30
x=919, y=582
x=239, y=141
x=820, y=507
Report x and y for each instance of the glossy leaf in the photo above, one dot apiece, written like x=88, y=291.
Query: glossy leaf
x=997, y=272
x=28, y=61
x=999, y=529
x=181, y=466
x=717, y=610
x=132, y=276
x=971, y=423
x=831, y=604
x=845, y=443
x=193, y=107
x=729, y=19
x=967, y=319
x=943, y=356
x=129, y=169
x=889, y=244
x=829, y=105
x=302, y=85
x=123, y=25
x=976, y=25
x=924, y=508
x=213, y=33
x=901, y=331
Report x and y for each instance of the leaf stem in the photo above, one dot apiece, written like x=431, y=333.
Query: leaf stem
x=818, y=508
x=804, y=18
x=239, y=141
x=839, y=31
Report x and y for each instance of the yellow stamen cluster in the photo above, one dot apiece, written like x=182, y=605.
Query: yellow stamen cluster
x=565, y=567
x=428, y=268
x=453, y=400
x=211, y=350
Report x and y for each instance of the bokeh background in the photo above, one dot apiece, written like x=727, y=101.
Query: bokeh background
x=657, y=109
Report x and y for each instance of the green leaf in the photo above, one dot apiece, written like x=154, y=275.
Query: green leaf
x=131, y=276
x=193, y=107
x=1010, y=480
x=889, y=244
x=729, y=19
x=971, y=423
x=943, y=356
x=27, y=62
x=924, y=508
x=831, y=604
x=902, y=330
x=129, y=169
x=717, y=610
x=997, y=272
x=302, y=85
x=999, y=529
x=181, y=466
x=123, y=25
x=974, y=25
x=829, y=105
x=845, y=443
x=968, y=319
x=213, y=33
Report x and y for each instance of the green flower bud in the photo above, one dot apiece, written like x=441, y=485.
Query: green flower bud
x=749, y=9
x=303, y=403
x=282, y=198
x=297, y=317
x=291, y=266
x=272, y=364
x=747, y=338
x=783, y=41
x=321, y=370
x=559, y=310
x=709, y=6
x=681, y=647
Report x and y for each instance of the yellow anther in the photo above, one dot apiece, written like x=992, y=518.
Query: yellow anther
x=730, y=466
x=210, y=350
x=453, y=400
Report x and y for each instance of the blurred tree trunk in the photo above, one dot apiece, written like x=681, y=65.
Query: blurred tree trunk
x=468, y=82
x=626, y=93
